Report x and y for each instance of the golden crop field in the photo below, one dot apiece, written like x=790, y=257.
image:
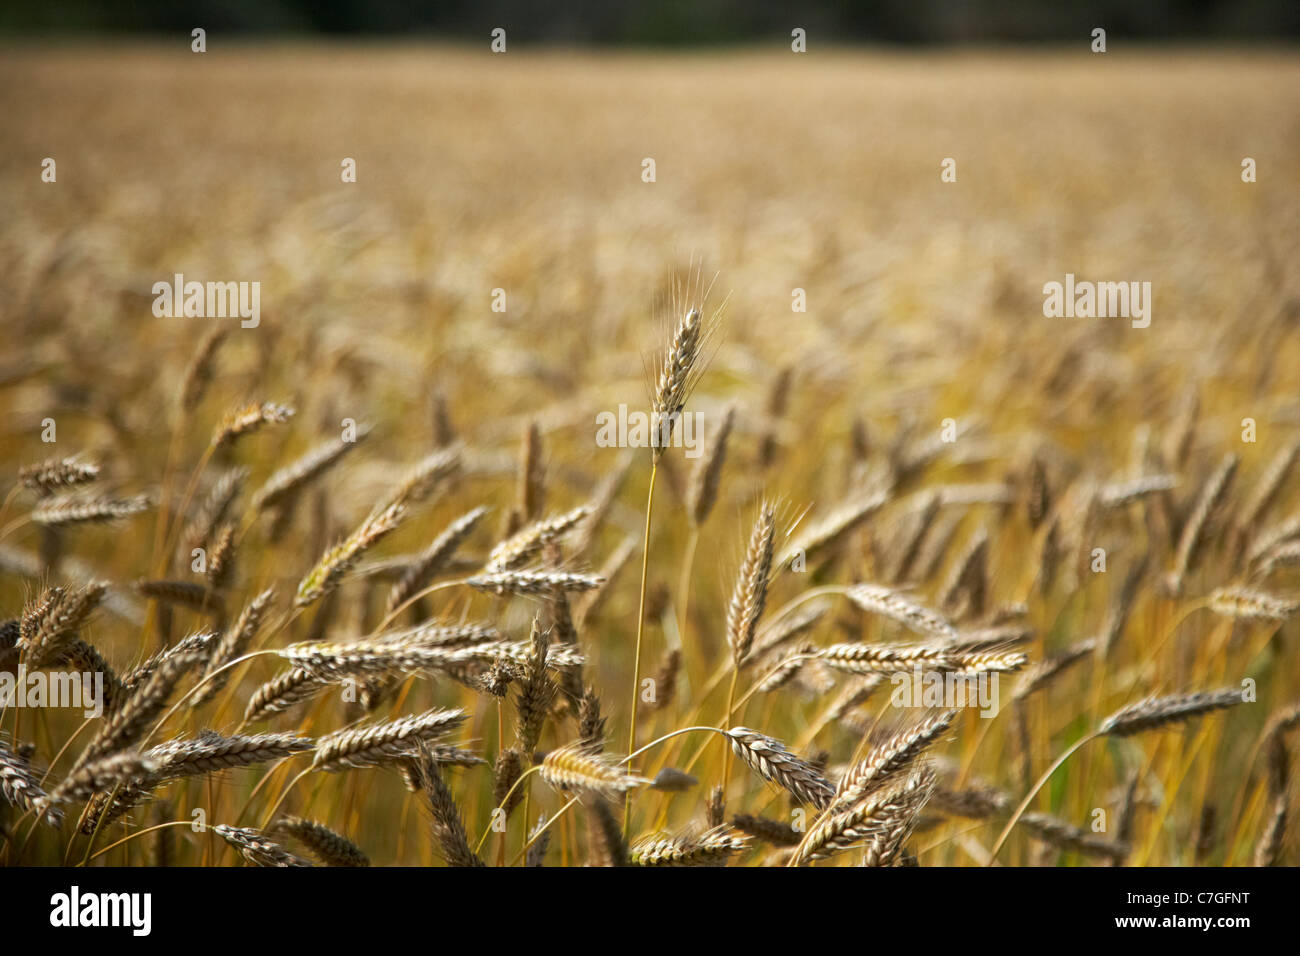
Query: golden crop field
x=407, y=483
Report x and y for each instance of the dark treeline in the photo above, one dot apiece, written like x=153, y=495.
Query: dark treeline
x=676, y=21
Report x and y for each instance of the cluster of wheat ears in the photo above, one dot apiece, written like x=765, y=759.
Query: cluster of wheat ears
x=888, y=786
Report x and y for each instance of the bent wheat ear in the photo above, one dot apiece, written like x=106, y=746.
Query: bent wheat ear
x=249, y=418
x=785, y=629
x=902, y=658
x=57, y=474
x=521, y=547
x=1152, y=713
x=770, y=759
x=1066, y=836
x=80, y=509
x=447, y=825
x=891, y=604
x=889, y=758
x=573, y=767
x=421, y=571
x=332, y=849
x=835, y=526
x=128, y=723
x=1124, y=492
x=289, y=481
x=383, y=743
x=84, y=657
x=713, y=848
x=1046, y=671
x=335, y=662
x=190, y=594
x=211, y=753
x=47, y=625
x=975, y=802
x=197, y=646
x=20, y=785
x=338, y=561
x=1251, y=605
x=534, y=582
x=787, y=669
x=280, y=693
x=672, y=780
x=231, y=645
x=256, y=848
x=427, y=475
x=885, y=658
x=879, y=822
x=766, y=829
x=102, y=774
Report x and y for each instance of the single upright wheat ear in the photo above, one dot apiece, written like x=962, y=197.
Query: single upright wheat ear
x=676, y=377
x=750, y=593
x=198, y=375
x=536, y=691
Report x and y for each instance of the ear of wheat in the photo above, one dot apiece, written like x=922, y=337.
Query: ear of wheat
x=332, y=849
x=774, y=763
x=712, y=848
x=383, y=743
x=1152, y=713
x=573, y=767
x=254, y=847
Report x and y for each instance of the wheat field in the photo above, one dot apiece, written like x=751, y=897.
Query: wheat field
x=456, y=612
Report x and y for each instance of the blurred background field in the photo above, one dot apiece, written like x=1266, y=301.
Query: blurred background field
x=776, y=171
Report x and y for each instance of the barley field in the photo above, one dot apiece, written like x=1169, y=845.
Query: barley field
x=456, y=610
